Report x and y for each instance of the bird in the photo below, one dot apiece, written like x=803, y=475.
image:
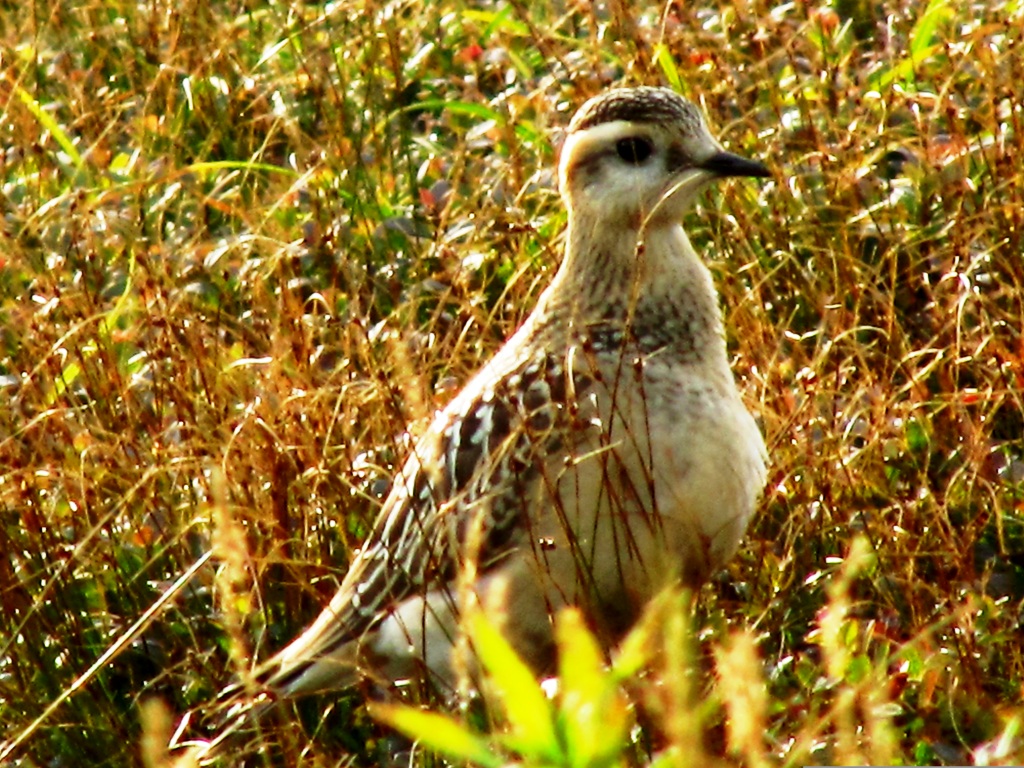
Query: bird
x=603, y=453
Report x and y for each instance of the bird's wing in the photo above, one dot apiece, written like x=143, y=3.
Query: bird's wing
x=470, y=472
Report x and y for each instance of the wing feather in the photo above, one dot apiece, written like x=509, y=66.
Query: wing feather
x=474, y=467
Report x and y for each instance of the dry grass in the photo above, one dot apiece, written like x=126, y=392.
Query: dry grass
x=244, y=247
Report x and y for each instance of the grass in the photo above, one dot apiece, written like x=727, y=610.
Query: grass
x=245, y=246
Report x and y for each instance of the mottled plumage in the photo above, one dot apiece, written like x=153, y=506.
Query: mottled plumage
x=603, y=453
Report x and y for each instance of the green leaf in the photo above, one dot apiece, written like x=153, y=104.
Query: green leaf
x=500, y=21
x=917, y=436
x=923, y=33
x=250, y=166
x=581, y=665
x=465, y=108
x=438, y=733
x=513, y=683
x=634, y=652
x=670, y=758
x=47, y=122
x=592, y=712
x=663, y=56
x=921, y=47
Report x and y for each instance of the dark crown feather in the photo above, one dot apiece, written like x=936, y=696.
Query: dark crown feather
x=639, y=105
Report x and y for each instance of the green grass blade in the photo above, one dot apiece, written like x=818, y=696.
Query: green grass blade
x=438, y=733
x=663, y=56
x=528, y=710
x=45, y=119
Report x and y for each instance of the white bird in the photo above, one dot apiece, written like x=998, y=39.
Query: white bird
x=602, y=454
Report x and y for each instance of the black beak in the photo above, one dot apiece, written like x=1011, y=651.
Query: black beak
x=728, y=164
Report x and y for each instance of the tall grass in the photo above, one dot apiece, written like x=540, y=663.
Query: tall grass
x=245, y=247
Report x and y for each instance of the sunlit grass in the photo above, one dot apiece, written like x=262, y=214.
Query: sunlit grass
x=243, y=249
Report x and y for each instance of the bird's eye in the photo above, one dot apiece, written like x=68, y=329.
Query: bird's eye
x=634, y=150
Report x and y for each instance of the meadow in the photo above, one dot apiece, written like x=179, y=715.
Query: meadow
x=246, y=248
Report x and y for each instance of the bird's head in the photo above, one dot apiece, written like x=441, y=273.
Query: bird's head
x=639, y=156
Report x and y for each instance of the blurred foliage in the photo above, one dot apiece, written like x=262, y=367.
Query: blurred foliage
x=245, y=247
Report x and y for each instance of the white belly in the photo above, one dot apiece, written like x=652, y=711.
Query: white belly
x=636, y=510
x=667, y=501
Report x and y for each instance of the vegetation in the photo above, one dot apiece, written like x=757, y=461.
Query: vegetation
x=246, y=246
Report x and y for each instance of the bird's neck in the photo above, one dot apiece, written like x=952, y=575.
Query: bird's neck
x=651, y=292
